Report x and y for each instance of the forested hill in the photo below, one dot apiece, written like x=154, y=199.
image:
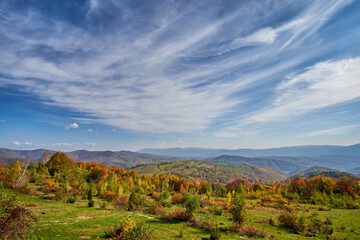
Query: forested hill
x=327, y=172
x=214, y=172
x=121, y=159
x=282, y=165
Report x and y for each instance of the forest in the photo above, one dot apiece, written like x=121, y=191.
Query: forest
x=294, y=208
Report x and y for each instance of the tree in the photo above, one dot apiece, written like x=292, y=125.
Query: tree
x=59, y=162
x=238, y=209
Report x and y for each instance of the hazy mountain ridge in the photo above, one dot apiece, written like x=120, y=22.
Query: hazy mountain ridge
x=122, y=159
x=214, y=172
x=309, y=150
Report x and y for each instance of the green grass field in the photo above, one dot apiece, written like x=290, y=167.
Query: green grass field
x=59, y=220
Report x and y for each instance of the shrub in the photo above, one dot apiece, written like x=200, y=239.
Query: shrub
x=15, y=220
x=186, y=198
x=206, y=223
x=89, y=194
x=128, y=229
x=215, y=234
x=174, y=215
x=253, y=232
x=156, y=208
x=192, y=206
x=103, y=205
x=288, y=220
x=238, y=209
x=71, y=199
x=218, y=210
x=176, y=198
x=135, y=201
x=121, y=203
x=91, y=203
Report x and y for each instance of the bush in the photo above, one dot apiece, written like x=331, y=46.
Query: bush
x=121, y=203
x=103, y=205
x=238, y=210
x=218, y=210
x=15, y=220
x=156, y=208
x=128, y=229
x=311, y=224
x=176, y=198
x=71, y=199
x=192, y=206
x=91, y=203
x=89, y=194
x=175, y=215
x=215, y=234
x=253, y=232
x=135, y=201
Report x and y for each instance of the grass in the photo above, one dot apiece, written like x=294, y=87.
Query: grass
x=59, y=220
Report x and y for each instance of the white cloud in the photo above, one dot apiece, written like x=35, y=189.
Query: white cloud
x=226, y=134
x=322, y=85
x=2, y=121
x=90, y=144
x=72, y=125
x=90, y=130
x=332, y=131
x=61, y=144
x=28, y=143
x=17, y=143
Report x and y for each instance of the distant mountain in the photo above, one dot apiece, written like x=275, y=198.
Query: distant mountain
x=122, y=159
x=282, y=165
x=20, y=154
x=214, y=172
x=355, y=171
x=338, y=157
x=327, y=172
x=311, y=150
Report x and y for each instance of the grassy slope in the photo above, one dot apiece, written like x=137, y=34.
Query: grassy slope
x=58, y=220
x=215, y=172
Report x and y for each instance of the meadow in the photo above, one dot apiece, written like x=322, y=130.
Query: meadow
x=63, y=199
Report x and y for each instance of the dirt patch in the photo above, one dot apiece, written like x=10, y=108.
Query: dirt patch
x=148, y=217
x=83, y=218
x=85, y=237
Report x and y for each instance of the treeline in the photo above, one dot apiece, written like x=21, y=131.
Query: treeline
x=61, y=178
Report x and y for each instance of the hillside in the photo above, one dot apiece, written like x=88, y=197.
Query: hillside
x=311, y=150
x=355, y=171
x=282, y=165
x=327, y=172
x=122, y=159
x=214, y=172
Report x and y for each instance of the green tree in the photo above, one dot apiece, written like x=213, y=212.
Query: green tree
x=238, y=209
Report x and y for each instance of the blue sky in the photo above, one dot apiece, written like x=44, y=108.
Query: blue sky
x=219, y=74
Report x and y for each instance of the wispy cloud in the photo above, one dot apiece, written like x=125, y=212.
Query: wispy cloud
x=17, y=143
x=179, y=72
x=2, y=121
x=90, y=144
x=322, y=85
x=332, y=131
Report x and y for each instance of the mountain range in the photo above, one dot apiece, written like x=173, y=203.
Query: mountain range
x=287, y=159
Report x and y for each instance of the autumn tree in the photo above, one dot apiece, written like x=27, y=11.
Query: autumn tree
x=59, y=162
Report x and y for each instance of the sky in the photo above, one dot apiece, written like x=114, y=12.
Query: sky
x=127, y=75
